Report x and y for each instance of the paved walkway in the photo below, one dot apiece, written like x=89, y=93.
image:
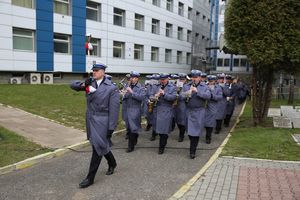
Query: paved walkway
x=38, y=129
x=242, y=179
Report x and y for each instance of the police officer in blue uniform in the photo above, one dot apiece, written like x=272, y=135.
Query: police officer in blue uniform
x=103, y=103
x=165, y=94
x=222, y=104
x=180, y=107
x=230, y=89
x=212, y=106
x=133, y=99
x=195, y=94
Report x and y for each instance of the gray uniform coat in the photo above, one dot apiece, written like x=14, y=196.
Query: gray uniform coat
x=163, y=112
x=212, y=106
x=222, y=104
x=180, y=111
x=230, y=90
x=133, y=112
x=101, y=114
x=196, y=108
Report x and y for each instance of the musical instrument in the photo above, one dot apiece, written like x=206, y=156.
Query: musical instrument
x=189, y=93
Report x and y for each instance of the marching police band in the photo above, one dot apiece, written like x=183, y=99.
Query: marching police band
x=197, y=105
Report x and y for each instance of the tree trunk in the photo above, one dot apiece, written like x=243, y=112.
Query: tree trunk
x=262, y=81
x=291, y=90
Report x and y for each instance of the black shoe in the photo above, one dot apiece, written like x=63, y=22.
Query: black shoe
x=126, y=137
x=86, y=183
x=129, y=150
x=111, y=170
x=192, y=155
x=180, y=139
x=208, y=141
x=161, y=151
x=152, y=138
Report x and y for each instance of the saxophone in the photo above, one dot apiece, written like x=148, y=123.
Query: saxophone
x=190, y=93
x=175, y=103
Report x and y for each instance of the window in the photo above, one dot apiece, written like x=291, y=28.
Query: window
x=188, y=58
x=236, y=62
x=197, y=37
x=154, y=54
x=243, y=62
x=96, y=47
x=169, y=30
x=204, y=17
x=169, y=5
x=220, y=62
x=179, y=33
x=138, y=52
x=118, y=49
x=61, y=43
x=180, y=8
x=197, y=16
x=155, y=26
x=93, y=11
x=190, y=12
x=23, y=3
x=189, y=36
x=119, y=17
x=226, y=62
x=179, y=57
x=23, y=39
x=61, y=7
x=156, y=2
x=139, y=22
x=168, y=55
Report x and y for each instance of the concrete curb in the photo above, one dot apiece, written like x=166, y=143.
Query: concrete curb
x=29, y=162
x=259, y=159
x=191, y=182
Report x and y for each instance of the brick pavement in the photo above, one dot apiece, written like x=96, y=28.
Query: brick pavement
x=242, y=179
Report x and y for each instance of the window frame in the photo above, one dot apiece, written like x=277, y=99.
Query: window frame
x=169, y=29
x=169, y=5
x=188, y=58
x=157, y=3
x=156, y=25
x=190, y=13
x=168, y=59
x=98, y=10
x=180, y=8
x=140, y=50
x=179, y=57
x=122, y=49
x=62, y=41
x=62, y=1
x=156, y=51
x=122, y=15
x=141, y=21
x=179, y=33
x=23, y=36
x=98, y=47
x=16, y=4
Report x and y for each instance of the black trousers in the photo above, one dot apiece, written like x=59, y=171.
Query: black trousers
x=133, y=138
x=227, y=120
x=209, y=130
x=181, y=130
x=163, y=138
x=96, y=160
x=194, y=140
x=218, y=125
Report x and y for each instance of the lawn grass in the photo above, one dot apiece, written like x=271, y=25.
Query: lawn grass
x=56, y=102
x=264, y=142
x=14, y=148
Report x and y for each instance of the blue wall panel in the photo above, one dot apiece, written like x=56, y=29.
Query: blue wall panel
x=78, y=36
x=44, y=35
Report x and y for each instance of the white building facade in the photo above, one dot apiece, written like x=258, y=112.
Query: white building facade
x=148, y=36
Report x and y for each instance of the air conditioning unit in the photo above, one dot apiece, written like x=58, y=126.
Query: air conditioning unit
x=15, y=80
x=48, y=78
x=35, y=78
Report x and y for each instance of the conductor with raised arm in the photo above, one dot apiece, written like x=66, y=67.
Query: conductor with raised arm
x=103, y=103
